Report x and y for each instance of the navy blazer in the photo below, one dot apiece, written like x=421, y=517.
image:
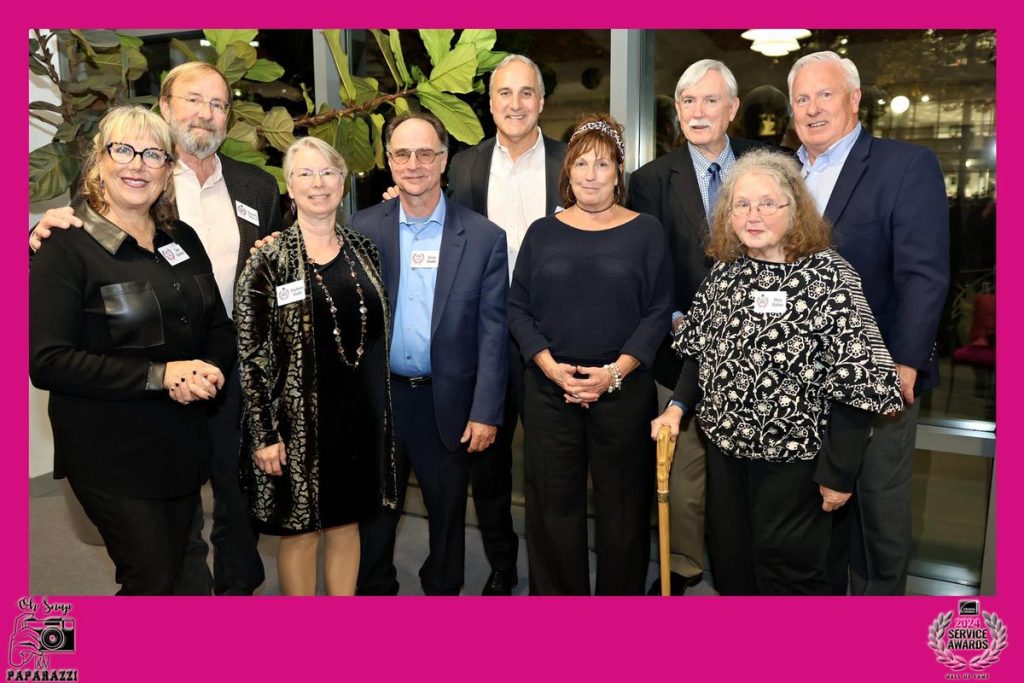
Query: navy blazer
x=891, y=220
x=667, y=189
x=469, y=175
x=468, y=337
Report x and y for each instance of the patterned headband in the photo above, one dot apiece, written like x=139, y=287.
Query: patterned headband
x=603, y=127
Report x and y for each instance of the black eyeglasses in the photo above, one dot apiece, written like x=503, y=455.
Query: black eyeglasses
x=123, y=153
x=424, y=155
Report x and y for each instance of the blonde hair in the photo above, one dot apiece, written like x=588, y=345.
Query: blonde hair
x=189, y=69
x=120, y=123
x=808, y=232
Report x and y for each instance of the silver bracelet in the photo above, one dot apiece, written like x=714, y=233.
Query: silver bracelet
x=616, y=383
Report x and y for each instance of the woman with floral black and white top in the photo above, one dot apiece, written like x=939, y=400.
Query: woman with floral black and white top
x=786, y=367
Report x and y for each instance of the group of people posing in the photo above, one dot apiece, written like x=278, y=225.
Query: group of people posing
x=776, y=313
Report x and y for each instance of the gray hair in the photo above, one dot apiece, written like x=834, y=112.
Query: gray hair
x=698, y=70
x=317, y=145
x=523, y=59
x=828, y=57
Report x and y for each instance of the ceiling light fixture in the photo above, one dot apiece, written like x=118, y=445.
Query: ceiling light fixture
x=775, y=42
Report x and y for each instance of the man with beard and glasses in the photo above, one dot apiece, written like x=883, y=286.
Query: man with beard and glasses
x=679, y=189
x=230, y=205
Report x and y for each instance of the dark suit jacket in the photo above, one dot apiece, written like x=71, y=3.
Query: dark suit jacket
x=468, y=337
x=258, y=190
x=667, y=189
x=470, y=172
x=891, y=220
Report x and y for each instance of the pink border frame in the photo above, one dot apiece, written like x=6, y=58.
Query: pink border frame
x=830, y=639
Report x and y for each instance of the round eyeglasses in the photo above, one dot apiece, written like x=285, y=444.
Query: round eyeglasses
x=765, y=207
x=424, y=155
x=123, y=153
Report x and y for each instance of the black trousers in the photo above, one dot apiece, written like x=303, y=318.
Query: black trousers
x=612, y=440
x=767, y=533
x=443, y=476
x=145, y=537
x=491, y=477
x=237, y=565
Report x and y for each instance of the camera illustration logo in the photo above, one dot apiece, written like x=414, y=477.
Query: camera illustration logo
x=969, y=642
x=43, y=628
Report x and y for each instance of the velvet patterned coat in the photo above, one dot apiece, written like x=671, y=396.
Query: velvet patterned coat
x=277, y=364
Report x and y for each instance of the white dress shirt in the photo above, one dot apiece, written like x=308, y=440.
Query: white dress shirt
x=516, y=193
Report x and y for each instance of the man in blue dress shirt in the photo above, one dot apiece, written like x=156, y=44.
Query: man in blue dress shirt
x=446, y=272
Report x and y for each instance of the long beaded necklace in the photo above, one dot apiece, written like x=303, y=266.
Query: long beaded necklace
x=334, y=309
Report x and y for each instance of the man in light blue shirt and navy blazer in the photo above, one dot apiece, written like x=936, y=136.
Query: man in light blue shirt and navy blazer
x=446, y=272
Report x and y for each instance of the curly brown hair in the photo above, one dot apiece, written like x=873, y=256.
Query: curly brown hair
x=603, y=144
x=121, y=122
x=808, y=232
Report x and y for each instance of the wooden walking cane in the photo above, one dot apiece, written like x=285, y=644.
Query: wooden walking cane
x=666, y=449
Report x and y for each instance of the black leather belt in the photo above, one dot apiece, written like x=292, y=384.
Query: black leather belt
x=420, y=381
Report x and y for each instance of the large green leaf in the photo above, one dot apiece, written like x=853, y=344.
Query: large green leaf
x=456, y=115
x=264, y=71
x=250, y=112
x=348, y=88
x=366, y=88
x=278, y=128
x=326, y=131
x=438, y=42
x=184, y=49
x=36, y=66
x=50, y=171
x=244, y=131
x=242, y=151
x=45, y=106
x=401, y=105
x=130, y=41
x=353, y=141
x=378, y=139
x=236, y=59
x=310, y=107
x=133, y=64
x=389, y=56
x=396, y=46
x=67, y=131
x=481, y=39
x=456, y=70
x=488, y=60
x=220, y=39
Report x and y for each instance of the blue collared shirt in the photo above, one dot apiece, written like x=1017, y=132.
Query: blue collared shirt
x=410, y=342
x=821, y=177
x=726, y=160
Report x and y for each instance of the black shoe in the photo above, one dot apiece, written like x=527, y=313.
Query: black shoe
x=500, y=583
x=679, y=584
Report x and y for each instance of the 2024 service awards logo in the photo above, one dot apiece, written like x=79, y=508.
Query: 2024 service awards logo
x=968, y=643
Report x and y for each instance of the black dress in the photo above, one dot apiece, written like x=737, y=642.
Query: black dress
x=346, y=426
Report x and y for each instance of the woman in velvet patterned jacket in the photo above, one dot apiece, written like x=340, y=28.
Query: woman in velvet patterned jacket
x=313, y=323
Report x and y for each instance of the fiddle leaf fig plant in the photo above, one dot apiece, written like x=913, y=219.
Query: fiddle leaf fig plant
x=102, y=65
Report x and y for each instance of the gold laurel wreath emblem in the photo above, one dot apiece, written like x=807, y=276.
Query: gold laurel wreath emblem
x=943, y=654
x=946, y=657
x=996, y=643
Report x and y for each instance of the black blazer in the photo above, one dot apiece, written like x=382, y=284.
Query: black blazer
x=891, y=221
x=667, y=189
x=470, y=172
x=258, y=190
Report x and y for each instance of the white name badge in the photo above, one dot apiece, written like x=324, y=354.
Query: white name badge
x=291, y=292
x=424, y=259
x=769, y=302
x=247, y=213
x=173, y=253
